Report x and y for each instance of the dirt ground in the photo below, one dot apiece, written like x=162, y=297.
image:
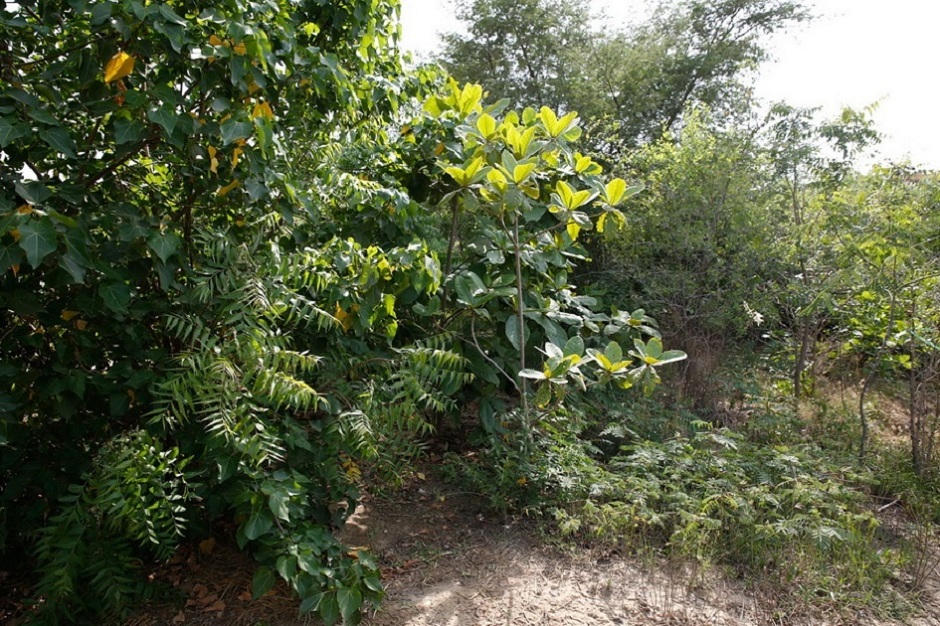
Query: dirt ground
x=447, y=562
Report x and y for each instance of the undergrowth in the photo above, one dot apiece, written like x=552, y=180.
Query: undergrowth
x=793, y=517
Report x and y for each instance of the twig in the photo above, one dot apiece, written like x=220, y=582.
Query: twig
x=884, y=508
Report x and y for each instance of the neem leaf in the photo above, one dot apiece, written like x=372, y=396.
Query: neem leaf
x=37, y=239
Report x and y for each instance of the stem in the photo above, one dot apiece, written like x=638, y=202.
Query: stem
x=521, y=317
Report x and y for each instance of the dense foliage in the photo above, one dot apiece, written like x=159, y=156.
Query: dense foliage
x=244, y=256
x=240, y=256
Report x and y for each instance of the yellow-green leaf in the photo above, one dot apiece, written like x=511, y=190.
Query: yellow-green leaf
x=522, y=171
x=614, y=191
x=573, y=230
x=486, y=125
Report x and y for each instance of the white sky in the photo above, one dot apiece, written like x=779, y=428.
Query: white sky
x=856, y=53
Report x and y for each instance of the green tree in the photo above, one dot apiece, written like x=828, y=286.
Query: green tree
x=640, y=78
x=526, y=51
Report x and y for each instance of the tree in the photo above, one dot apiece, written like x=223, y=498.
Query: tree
x=640, y=79
x=524, y=51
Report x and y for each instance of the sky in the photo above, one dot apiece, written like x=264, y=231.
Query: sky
x=855, y=53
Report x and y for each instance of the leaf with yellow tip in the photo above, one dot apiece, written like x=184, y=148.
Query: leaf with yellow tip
x=120, y=65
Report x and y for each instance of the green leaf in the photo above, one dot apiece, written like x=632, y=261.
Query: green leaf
x=60, y=141
x=278, y=503
x=350, y=601
x=73, y=263
x=233, y=131
x=37, y=239
x=9, y=256
x=329, y=608
x=613, y=352
x=116, y=296
x=164, y=245
x=11, y=132
x=165, y=116
x=262, y=581
x=311, y=602
x=258, y=524
x=575, y=346
x=128, y=131
x=32, y=191
x=512, y=332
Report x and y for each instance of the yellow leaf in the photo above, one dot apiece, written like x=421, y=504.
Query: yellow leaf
x=81, y=324
x=213, y=162
x=601, y=222
x=224, y=190
x=263, y=109
x=68, y=315
x=15, y=233
x=237, y=153
x=253, y=87
x=120, y=65
x=214, y=41
x=345, y=318
x=24, y=209
x=240, y=49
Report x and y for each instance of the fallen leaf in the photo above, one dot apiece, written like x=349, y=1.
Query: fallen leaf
x=179, y=618
x=216, y=606
x=207, y=545
x=245, y=596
